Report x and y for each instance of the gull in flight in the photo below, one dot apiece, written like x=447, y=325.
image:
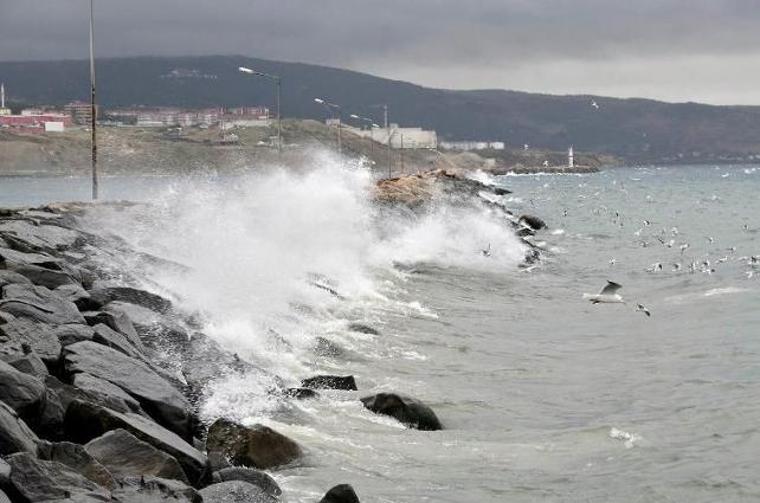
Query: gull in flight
x=595, y=105
x=684, y=247
x=608, y=294
x=487, y=251
x=640, y=307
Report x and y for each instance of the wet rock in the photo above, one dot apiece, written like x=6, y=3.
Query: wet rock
x=49, y=423
x=235, y=491
x=85, y=421
x=78, y=459
x=71, y=334
x=25, y=234
x=28, y=363
x=407, y=410
x=108, y=392
x=106, y=336
x=500, y=191
x=160, y=399
x=362, y=329
x=48, y=278
x=68, y=393
x=301, y=393
x=11, y=259
x=76, y=294
x=347, y=383
x=155, y=490
x=533, y=222
x=342, y=493
x=104, y=294
x=15, y=435
x=119, y=322
x=5, y=472
x=40, y=338
x=37, y=303
x=21, y=392
x=256, y=447
x=154, y=329
x=124, y=455
x=9, y=277
x=325, y=347
x=258, y=478
x=38, y=480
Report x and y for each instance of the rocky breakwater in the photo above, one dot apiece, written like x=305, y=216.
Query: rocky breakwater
x=100, y=380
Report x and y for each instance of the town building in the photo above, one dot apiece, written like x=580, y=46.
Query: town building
x=36, y=123
x=399, y=137
x=80, y=112
x=472, y=145
x=3, y=110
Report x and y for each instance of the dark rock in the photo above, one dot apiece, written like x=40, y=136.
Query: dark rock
x=21, y=392
x=68, y=393
x=104, y=294
x=11, y=259
x=155, y=330
x=325, y=347
x=5, y=472
x=49, y=423
x=330, y=382
x=108, y=392
x=235, y=491
x=533, y=222
x=85, y=421
x=499, y=191
x=301, y=393
x=77, y=294
x=342, y=493
x=38, y=480
x=9, y=277
x=15, y=435
x=155, y=490
x=78, y=459
x=71, y=334
x=158, y=397
x=105, y=335
x=256, y=477
x=362, y=329
x=40, y=337
x=28, y=363
x=39, y=304
x=256, y=447
x=48, y=278
x=24, y=234
x=409, y=411
x=116, y=321
x=127, y=456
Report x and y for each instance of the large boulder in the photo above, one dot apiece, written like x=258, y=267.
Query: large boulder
x=119, y=322
x=86, y=421
x=235, y=491
x=160, y=399
x=257, y=446
x=71, y=334
x=68, y=393
x=256, y=477
x=28, y=363
x=40, y=337
x=37, y=303
x=78, y=459
x=104, y=294
x=15, y=435
x=27, y=235
x=107, y=392
x=23, y=393
x=74, y=292
x=347, y=383
x=38, y=480
x=155, y=329
x=533, y=222
x=49, y=278
x=342, y=493
x=154, y=490
x=409, y=411
x=105, y=335
x=9, y=277
x=11, y=259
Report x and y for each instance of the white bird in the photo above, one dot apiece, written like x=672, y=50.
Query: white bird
x=607, y=295
x=750, y=274
x=711, y=239
x=670, y=243
x=595, y=105
x=486, y=252
x=647, y=223
x=655, y=267
x=640, y=307
x=612, y=261
x=684, y=247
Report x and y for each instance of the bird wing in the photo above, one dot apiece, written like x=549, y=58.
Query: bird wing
x=610, y=288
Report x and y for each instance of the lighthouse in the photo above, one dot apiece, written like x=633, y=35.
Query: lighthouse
x=3, y=110
x=570, y=160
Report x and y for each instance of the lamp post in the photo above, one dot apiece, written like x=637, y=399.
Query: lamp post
x=93, y=107
x=278, y=90
x=372, y=125
x=330, y=107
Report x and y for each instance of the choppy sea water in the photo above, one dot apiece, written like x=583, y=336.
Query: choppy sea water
x=544, y=396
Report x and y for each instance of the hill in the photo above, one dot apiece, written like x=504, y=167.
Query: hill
x=637, y=130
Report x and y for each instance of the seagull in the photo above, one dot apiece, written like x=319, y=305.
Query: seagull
x=670, y=243
x=711, y=239
x=676, y=267
x=674, y=231
x=732, y=249
x=655, y=267
x=647, y=223
x=607, y=295
x=487, y=251
x=684, y=247
x=640, y=307
x=612, y=261
x=721, y=260
x=595, y=105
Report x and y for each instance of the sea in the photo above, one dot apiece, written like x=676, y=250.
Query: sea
x=544, y=397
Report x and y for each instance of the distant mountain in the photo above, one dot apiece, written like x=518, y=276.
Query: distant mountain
x=635, y=129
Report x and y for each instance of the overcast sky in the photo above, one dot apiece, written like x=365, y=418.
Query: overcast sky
x=676, y=50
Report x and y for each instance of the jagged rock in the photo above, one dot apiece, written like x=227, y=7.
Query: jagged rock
x=28, y=363
x=158, y=397
x=258, y=478
x=71, y=334
x=68, y=393
x=407, y=410
x=21, y=392
x=362, y=329
x=330, y=382
x=85, y=421
x=203, y=360
x=500, y=191
x=235, y=491
x=75, y=293
x=4, y=497
x=49, y=422
x=39, y=304
x=23, y=234
x=48, y=278
x=301, y=393
x=105, y=335
x=104, y=294
x=116, y=321
x=5, y=472
x=155, y=330
x=155, y=490
x=127, y=456
x=38, y=480
x=533, y=222
x=77, y=458
x=9, y=277
x=342, y=493
x=107, y=391
x=15, y=435
x=12, y=258
x=256, y=447
x=40, y=337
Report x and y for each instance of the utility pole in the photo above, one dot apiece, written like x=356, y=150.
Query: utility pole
x=93, y=108
x=401, y=155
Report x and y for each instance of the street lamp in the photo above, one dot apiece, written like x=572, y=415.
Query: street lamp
x=372, y=125
x=330, y=107
x=278, y=85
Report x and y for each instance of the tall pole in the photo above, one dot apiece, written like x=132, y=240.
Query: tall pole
x=93, y=108
x=385, y=116
x=278, y=80
x=340, y=134
x=401, y=155
x=390, y=161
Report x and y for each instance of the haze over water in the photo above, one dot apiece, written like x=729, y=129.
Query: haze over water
x=543, y=396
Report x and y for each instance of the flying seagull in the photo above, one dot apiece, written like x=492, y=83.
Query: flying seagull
x=487, y=251
x=608, y=295
x=640, y=307
x=595, y=105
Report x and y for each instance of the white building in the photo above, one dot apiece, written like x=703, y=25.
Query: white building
x=400, y=137
x=473, y=145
